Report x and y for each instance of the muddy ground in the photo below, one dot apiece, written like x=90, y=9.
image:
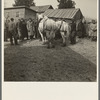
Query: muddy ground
x=32, y=61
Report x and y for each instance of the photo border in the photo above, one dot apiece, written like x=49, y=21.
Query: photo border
x=1, y=50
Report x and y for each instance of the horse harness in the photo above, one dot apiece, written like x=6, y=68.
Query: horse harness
x=48, y=29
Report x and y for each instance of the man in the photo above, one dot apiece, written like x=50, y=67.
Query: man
x=30, y=28
x=24, y=32
x=73, y=33
x=36, y=28
x=12, y=32
x=18, y=26
x=93, y=30
x=86, y=28
x=80, y=29
x=6, y=29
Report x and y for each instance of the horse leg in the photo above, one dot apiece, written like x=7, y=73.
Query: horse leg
x=45, y=37
x=67, y=38
x=41, y=36
x=64, y=38
x=48, y=38
x=52, y=36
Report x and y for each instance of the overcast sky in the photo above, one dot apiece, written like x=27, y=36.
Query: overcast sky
x=88, y=7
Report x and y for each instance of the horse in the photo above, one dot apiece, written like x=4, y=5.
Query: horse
x=50, y=27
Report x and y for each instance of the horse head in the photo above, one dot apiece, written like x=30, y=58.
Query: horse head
x=41, y=17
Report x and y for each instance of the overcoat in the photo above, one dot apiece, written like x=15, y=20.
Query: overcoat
x=30, y=28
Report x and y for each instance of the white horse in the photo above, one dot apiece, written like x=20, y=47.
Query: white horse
x=50, y=27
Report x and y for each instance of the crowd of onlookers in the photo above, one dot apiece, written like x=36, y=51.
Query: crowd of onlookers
x=91, y=29
x=29, y=29
x=87, y=29
x=20, y=29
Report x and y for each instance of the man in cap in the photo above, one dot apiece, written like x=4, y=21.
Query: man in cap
x=12, y=32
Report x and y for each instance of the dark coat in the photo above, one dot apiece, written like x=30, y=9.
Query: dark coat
x=73, y=27
x=23, y=27
x=73, y=33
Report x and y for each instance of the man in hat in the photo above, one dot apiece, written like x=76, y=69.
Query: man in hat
x=24, y=32
x=30, y=28
x=12, y=32
x=73, y=32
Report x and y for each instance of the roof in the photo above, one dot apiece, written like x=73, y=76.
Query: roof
x=19, y=7
x=62, y=13
x=41, y=8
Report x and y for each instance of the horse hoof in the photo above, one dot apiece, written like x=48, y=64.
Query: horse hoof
x=44, y=43
x=73, y=42
x=48, y=47
x=53, y=46
x=64, y=45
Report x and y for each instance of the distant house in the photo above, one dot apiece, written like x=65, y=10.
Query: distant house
x=25, y=12
x=19, y=12
x=41, y=9
x=66, y=14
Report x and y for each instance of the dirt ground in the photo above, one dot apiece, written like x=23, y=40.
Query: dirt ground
x=32, y=61
x=86, y=48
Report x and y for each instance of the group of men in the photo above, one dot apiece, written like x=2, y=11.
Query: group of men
x=85, y=29
x=93, y=30
x=20, y=29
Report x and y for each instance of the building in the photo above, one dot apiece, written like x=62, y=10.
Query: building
x=66, y=14
x=25, y=12
x=19, y=12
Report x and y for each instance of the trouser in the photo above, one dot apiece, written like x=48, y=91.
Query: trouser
x=31, y=36
x=5, y=34
x=80, y=34
x=37, y=32
x=11, y=38
x=22, y=36
x=73, y=37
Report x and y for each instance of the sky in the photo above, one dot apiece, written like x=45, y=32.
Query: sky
x=88, y=7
